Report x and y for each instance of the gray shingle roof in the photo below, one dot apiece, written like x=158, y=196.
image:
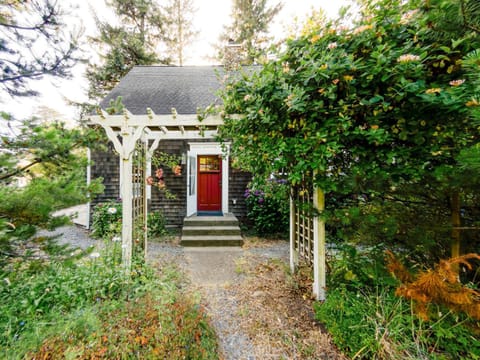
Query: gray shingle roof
x=162, y=88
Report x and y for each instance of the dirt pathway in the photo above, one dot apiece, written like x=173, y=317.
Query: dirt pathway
x=258, y=311
x=215, y=272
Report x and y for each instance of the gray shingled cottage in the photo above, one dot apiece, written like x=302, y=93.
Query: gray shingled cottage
x=208, y=184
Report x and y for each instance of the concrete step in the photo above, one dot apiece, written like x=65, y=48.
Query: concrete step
x=210, y=230
x=211, y=240
x=211, y=221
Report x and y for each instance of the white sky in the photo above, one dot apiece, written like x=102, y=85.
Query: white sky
x=210, y=17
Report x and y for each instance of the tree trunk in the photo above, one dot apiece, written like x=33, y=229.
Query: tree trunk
x=456, y=223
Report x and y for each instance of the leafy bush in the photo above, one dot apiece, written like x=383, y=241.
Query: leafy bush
x=156, y=224
x=355, y=267
x=268, y=207
x=107, y=220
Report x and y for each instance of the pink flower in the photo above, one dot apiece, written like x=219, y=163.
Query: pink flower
x=457, y=82
x=177, y=170
x=159, y=173
x=149, y=180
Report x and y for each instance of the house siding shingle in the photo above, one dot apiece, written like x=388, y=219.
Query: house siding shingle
x=105, y=164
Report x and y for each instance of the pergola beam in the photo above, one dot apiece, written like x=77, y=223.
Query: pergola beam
x=153, y=120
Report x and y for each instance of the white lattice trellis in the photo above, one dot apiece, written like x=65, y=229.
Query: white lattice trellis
x=307, y=233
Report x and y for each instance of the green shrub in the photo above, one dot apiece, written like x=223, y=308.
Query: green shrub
x=359, y=267
x=268, y=208
x=107, y=220
x=156, y=224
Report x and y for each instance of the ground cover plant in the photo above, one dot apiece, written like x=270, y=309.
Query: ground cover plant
x=368, y=320
x=90, y=308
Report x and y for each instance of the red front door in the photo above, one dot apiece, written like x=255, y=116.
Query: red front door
x=209, y=183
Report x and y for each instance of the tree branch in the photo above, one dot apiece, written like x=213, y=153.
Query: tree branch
x=20, y=170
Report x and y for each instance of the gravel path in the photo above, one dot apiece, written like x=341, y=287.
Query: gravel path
x=74, y=235
x=213, y=273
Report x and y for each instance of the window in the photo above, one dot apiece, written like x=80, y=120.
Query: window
x=209, y=163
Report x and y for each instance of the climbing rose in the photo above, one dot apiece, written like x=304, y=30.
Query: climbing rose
x=149, y=180
x=177, y=170
x=159, y=173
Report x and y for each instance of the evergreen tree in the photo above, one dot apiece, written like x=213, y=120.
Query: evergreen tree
x=33, y=43
x=249, y=28
x=134, y=42
x=179, y=30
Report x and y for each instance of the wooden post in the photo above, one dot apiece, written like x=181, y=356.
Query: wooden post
x=127, y=218
x=319, y=266
x=293, y=252
x=147, y=162
x=130, y=135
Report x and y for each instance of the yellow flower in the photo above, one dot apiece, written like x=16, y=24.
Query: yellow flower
x=433, y=91
x=335, y=81
x=473, y=102
x=362, y=29
x=324, y=67
x=348, y=77
x=315, y=38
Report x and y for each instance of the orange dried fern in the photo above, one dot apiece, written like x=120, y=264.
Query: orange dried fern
x=440, y=285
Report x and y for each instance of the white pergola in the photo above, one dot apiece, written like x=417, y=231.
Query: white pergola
x=126, y=130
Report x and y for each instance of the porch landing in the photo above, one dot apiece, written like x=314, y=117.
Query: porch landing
x=206, y=231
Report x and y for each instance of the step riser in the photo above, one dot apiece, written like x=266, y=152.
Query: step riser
x=210, y=223
x=206, y=243
x=212, y=231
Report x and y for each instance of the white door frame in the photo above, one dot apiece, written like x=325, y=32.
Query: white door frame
x=209, y=148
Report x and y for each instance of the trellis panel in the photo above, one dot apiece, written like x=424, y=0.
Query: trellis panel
x=139, y=205
x=307, y=232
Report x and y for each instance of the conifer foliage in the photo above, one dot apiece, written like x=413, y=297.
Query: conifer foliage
x=179, y=29
x=132, y=42
x=34, y=42
x=249, y=28
x=440, y=285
